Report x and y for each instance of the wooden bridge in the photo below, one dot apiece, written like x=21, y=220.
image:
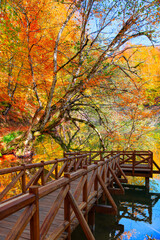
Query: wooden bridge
x=58, y=195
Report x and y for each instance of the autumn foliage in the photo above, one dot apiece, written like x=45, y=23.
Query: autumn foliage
x=67, y=68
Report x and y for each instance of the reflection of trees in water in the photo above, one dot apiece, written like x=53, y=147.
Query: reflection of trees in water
x=127, y=235
x=136, y=205
x=107, y=227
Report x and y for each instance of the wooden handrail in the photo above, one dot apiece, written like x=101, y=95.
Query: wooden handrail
x=66, y=164
x=85, y=187
x=15, y=205
x=93, y=178
x=71, y=162
x=35, y=165
x=52, y=186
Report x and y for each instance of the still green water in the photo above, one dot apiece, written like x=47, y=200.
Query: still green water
x=138, y=216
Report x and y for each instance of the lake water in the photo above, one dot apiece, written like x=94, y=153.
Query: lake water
x=138, y=216
x=138, y=211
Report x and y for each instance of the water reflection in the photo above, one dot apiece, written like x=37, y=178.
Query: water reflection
x=138, y=217
x=137, y=204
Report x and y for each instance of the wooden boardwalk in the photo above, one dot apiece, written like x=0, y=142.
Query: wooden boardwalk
x=45, y=204
x=53, y=208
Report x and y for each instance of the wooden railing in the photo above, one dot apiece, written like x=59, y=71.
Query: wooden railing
x=94, y=172
x=137, y=162
x=41, y=173
x=93, y=180
x=32, y=174
x=131, y=161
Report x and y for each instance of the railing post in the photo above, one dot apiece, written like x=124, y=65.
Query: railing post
x=147, y=183
x=110, y=165
x=118, y=162
x=67, y=211
x=151, y=163
x=82, y=161
x=111, y=153
x=24, y=179
x=133, y=162
x=114, y=163
x=34, y=222
x=96, y=183
x=90, y=162
x=104, y=175
x=42, y=175
x=123, y=157
x=66, y=167
x=104, y=172
x=75, y=162
x=100, y=153
x=56, y=169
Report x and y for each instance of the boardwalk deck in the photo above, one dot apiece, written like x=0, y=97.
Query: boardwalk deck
x=61, y=203
x=45, y=204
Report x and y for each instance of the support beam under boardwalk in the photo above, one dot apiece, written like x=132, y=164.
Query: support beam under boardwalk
x=147, y=182
x=91, y=219
x=122, y=180
x=115, y=191
x=105, y=209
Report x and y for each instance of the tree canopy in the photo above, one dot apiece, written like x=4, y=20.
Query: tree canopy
x=69, y=70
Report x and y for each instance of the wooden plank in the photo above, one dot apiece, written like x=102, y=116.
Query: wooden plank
x=53, y=211
x=79, y=187
x=53, y=186
x=7, y=226
x=21, y=223
x=58, y=231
